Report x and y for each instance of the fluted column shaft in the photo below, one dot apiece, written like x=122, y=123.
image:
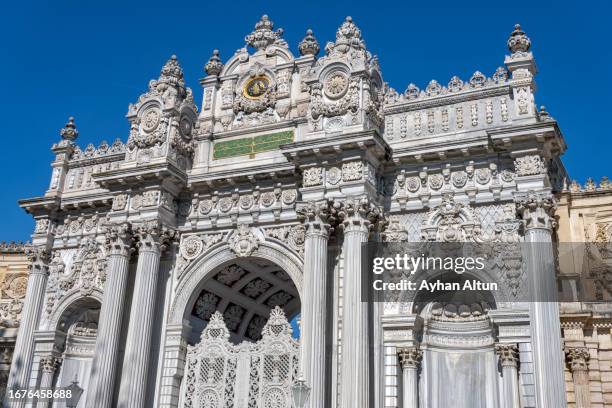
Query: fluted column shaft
x=356, y=386
x=410, y=358
x=509, y=359
x=21, y=365
x=48, y=367
x=578, y=362
x=314, y=302
x=537, y=211
x=134, y=377
x=104, y=365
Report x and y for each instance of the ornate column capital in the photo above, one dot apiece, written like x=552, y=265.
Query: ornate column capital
x=508, y=354
x=536, y=209
x=410, y=357
x=50, y=363
x=577, y=358
x=358, y=214
x=39, y=258
x=119, y=239
x=153, y=236
x=319, y=217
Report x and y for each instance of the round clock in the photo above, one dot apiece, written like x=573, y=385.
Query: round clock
x=256, y=87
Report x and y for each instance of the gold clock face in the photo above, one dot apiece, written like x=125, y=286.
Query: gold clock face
x=256, y=87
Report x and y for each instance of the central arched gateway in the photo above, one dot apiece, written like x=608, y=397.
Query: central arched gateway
x=229, y=338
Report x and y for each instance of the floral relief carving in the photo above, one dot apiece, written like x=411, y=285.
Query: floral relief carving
x=313, y=176
x=529, y=165
x=243, y=242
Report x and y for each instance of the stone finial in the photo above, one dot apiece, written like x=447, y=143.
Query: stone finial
x=309, y=45
x=214, y=66
x=348, y=36
x=263, y=35
x=69, y=131
x=543, y=114
x=172, y=73
x=518, y=41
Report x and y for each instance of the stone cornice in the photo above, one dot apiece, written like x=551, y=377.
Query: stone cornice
x=140, y=174
x=332, y=146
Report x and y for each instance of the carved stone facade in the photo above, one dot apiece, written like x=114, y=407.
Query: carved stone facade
x=165, y=269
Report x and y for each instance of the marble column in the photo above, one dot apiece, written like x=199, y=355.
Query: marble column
x=357, y=218
x=410, y=358
x=314, y=307
x=509, y=359
x=21, y=365
x=134, y=376
x=48, y=367
x=577, y=358
x=537, y=212
x=104, y=364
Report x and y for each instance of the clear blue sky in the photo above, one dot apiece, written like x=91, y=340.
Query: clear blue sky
x=90, y=59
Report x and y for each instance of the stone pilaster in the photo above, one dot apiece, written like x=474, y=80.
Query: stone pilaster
x=358, y=216
x=577, y=360
x=152, y=238
x=21, y=365
x=509, y=360
x=48, y=367
x=316, y=218
x=104, y=365
x=537, y=212
x=410, y=358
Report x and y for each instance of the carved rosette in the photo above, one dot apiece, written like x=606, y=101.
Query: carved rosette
x=153, y=236
x=119, y=239
x=243, y=242
x=508, y=354
x=410, y=357
x=577, y=358
x=529, y=165
x=536, y=209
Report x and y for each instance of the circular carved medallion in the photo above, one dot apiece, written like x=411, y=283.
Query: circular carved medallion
x=256, y=87
x=192, y=247
x=336, y=85
x=17, y=287
x=150, y=119
x=185, y=127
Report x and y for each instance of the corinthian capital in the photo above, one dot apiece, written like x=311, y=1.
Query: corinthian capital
x=119, y=239
x=359, y=213
x=319, y=217
x=410, y=357
x=577, y=358
x=50, y=363
x=508, y=354
x=39, y=259
x=536, y=209
x=153, y=236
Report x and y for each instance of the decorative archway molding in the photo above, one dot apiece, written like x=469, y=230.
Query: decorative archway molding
x=195, y=276
x=67, y=301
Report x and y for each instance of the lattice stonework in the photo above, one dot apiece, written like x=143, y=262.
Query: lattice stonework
x=219, y=374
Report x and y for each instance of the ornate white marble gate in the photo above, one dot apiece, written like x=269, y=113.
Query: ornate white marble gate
x=219, y=374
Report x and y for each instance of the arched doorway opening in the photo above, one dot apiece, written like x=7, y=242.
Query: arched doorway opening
x=244, y=291
x=74, y=345
x=241, y=344
x=458, y=347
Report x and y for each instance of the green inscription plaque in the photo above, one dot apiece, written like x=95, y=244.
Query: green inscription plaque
x=251, y=145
